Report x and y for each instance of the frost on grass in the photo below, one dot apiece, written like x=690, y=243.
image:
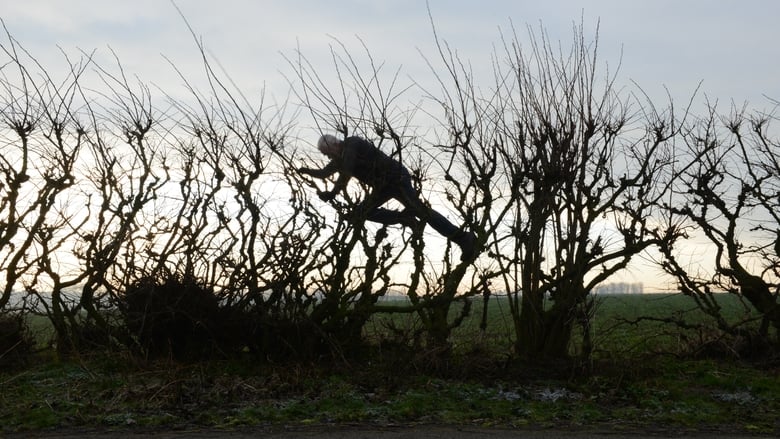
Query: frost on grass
x=555, y=395
x=741, y=398
x=546, y=394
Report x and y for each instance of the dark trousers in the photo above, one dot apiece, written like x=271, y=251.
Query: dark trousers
x=414, y=208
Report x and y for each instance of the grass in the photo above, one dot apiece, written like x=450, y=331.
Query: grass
x=634, y=386
x=699, y=395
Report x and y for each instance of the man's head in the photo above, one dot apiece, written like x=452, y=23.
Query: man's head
x=329, y=145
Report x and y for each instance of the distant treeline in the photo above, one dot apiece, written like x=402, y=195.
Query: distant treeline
x=620, y=288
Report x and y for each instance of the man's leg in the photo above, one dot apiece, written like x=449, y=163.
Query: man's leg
x=411, y=200
x=370, y=208
x=389, y=216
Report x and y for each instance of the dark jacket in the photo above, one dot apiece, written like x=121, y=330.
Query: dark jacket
x=364, y=161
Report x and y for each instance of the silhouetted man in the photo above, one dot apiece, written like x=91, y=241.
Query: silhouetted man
x=356, y=157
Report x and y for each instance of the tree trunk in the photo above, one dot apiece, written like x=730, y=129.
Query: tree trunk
x=439, y=328
x=757, y=292
x=543, y=335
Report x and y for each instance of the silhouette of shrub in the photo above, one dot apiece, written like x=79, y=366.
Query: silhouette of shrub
x=264, y=334
x=172, y=316
x=16, y=342
x=88, y=335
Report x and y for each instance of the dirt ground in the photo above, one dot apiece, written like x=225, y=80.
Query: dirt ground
x=383, y=432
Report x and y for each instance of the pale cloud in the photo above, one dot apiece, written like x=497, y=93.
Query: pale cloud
x=730, y=46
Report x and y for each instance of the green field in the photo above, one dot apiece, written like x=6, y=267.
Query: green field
x=622, y=325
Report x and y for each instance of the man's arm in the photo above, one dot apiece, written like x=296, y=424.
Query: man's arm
x=344, y=167
x=348, y=158
x=341, y=182
x=329, y=169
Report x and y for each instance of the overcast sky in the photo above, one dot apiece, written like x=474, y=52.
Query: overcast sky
x=732, y=47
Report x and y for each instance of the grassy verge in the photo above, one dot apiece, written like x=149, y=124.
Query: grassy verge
x=633, y=383
x=698, y=395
